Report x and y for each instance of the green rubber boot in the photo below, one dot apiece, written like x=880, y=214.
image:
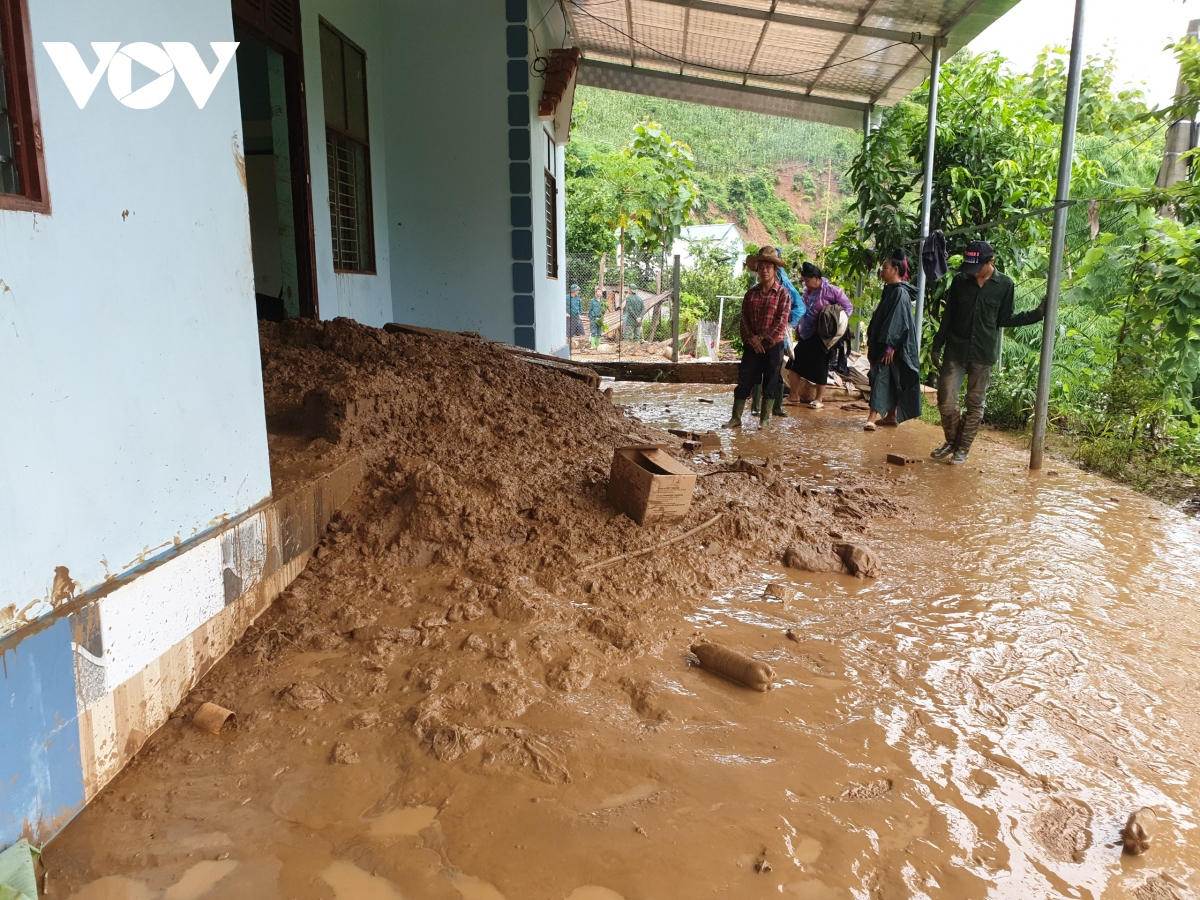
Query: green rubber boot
x=764, y=421
x=735, y=420
x=779, y=402
x=755, y=399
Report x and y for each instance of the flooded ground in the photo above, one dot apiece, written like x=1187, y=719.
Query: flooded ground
x=977, y=722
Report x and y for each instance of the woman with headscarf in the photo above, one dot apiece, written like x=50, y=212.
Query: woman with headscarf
x=811, y=360
x=892, y=348
x=788, y=351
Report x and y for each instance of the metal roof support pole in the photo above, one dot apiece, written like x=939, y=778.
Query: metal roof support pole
x=1066, y=155
x=867, y=123
x=1181, y=134
x=935, y=75
x=675, y=311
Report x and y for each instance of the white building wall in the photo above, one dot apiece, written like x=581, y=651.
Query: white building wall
x=550, y=294
x=366, y=298
x=130, y=383
x=448, y=166
x=440, y=130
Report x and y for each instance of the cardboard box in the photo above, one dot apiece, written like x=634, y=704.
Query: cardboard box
x=649, y=485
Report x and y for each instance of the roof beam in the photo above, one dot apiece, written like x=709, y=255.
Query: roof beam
x=758, y=47
x=967, y=10
x=903, y=70
x=729, y=94
x=726, y=9
x=570, y=17
x=862, y=17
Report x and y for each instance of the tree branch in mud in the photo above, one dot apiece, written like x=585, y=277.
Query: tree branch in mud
x=635, y=555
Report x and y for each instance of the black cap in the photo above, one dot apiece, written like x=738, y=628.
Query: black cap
x=977, y=255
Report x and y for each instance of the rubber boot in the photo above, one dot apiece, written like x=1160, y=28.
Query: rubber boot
x=764, y=421
x=755, y=399
x=735, y=420
x=779, y=402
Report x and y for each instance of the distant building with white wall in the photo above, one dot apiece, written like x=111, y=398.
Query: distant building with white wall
x=721, y=234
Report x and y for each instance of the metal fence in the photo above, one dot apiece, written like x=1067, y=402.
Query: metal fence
x=643, y=273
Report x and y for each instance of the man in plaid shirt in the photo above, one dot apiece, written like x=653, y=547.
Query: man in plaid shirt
x=765, y=311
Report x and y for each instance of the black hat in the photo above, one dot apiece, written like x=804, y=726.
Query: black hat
x=977, y=255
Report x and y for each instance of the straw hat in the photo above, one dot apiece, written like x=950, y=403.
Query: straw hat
x=765, y=255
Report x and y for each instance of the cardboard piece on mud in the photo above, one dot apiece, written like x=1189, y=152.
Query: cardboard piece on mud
x=704, y=439
x=649, y=485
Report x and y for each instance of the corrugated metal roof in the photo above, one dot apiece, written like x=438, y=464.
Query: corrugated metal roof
x=825, y=60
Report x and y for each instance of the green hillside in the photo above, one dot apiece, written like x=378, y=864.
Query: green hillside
x=768, y=174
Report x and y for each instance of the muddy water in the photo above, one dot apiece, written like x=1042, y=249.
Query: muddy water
x=977, y=722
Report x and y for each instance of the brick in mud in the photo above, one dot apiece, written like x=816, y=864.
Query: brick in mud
x=778, y=591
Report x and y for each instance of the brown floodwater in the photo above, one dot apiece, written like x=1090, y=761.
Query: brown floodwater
x=977, y=722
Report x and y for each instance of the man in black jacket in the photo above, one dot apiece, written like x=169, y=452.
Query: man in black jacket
x=978, y=305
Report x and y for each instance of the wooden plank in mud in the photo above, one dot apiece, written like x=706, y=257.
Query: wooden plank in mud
x=557, y=363
x=665, y=372
x=562, y=366
x=404, y=328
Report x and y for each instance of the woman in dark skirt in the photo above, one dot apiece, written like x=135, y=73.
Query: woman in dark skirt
x=892, y=348
x=811, y=360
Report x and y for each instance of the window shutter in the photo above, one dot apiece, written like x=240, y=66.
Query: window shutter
x=276, y=20
x=283, y=18
x=250, y=10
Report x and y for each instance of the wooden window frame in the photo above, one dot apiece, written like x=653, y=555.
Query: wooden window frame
x=344, y=135
x=290, y=46
x=23, y=110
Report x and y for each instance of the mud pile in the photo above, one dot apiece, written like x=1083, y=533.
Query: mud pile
x=476, y=458
x=456, y=587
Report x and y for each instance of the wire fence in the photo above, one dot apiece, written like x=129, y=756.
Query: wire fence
x=637, y=274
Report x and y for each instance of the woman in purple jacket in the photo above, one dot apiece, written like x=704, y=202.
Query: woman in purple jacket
x=811, y=360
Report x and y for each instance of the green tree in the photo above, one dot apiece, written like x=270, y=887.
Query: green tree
x=996, y=157
x=670, y=191
x=1148, y=281
x=638, y=197
x=589, y=200
x=1101, y=109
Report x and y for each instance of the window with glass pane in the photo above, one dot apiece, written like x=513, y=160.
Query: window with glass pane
x=10, y=178
x=22, y=166
x=348, y=152
x=551, y=226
